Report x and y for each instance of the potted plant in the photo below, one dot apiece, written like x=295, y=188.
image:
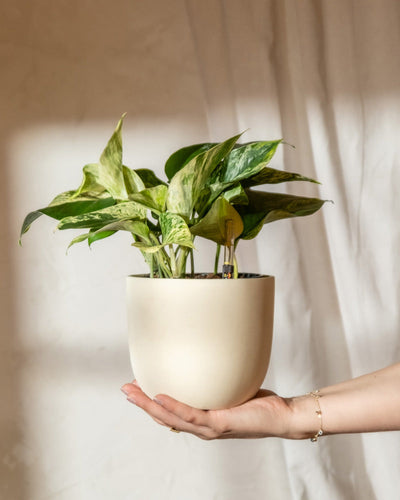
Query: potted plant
x=206, y=342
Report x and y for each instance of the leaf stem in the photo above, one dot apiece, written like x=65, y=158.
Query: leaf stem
x=235, y=268
x=191, y=263
x=217, y=253
x=173, y=261
x=151, y=264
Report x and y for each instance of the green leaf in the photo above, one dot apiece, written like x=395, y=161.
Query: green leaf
x=100, y=218
x=270, y=175
x=67, y=204
x=133, y=182
x=233, y=192
x=99, y=235
x=91, y=237
x=181, y=157
x=149, y=178
x=186, y=186
x=175, y=230
x=266, y=207
x=29, y=219
x=153, y=198
x=214, y=223
x=248, y=160
x=236, y=195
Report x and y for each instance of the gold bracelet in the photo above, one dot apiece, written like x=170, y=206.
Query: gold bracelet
x=316, y=396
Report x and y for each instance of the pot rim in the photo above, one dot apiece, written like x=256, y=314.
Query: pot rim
x=242, y=276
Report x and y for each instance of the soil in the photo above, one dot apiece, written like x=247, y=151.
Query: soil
x=212, y=276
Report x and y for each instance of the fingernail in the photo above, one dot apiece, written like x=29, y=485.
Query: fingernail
x=131, y=399
x=125, y=389
x=156, y=400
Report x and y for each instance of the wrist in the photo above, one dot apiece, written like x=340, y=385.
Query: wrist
x=304, y=421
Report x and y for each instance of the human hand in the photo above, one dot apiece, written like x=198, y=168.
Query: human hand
x=267, y=414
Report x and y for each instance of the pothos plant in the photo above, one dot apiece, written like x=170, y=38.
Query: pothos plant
x=207, y=186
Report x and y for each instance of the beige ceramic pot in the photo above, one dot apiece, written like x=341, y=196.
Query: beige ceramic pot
x=205, y=342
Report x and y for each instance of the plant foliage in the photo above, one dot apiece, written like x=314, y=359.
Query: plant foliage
x=208, y=184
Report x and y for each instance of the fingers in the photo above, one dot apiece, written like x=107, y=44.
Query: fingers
x=171, y=413
x=184, y=412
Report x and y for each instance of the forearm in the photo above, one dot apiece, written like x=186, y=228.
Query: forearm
x=368, y=403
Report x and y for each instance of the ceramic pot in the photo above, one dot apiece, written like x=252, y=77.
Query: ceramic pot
x=205, y=342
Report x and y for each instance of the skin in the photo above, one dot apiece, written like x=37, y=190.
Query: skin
x=346, y=408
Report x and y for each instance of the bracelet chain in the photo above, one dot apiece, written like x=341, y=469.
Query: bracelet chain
x=316, y=395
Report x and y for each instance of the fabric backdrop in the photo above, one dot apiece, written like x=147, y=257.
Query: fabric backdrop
x=324, y=76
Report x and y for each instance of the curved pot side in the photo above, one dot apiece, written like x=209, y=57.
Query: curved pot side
x=206, y=343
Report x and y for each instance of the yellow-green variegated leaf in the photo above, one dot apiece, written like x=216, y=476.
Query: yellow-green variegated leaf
x=147, y=248
x=78, y=239
x=213, y=225
x=175, y=230
x=133, y=182
x=67, y=204
x=90, y=182
x=135, y=227
x=153, y=198
x=100, y=218
x=188, y=183
x=109, y=171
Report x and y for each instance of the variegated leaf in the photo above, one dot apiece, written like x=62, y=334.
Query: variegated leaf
x=248, y=160
x=135, y=227
x=133, y=182
x=100, y=218
x=109, y=171
x=175, y=230
x=153, y=198
x=89, y=182
x=67, y=204
x=78, y=239
x=186, y=186
x=146, y=248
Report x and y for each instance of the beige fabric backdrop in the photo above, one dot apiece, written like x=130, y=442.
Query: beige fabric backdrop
x=325, y=76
